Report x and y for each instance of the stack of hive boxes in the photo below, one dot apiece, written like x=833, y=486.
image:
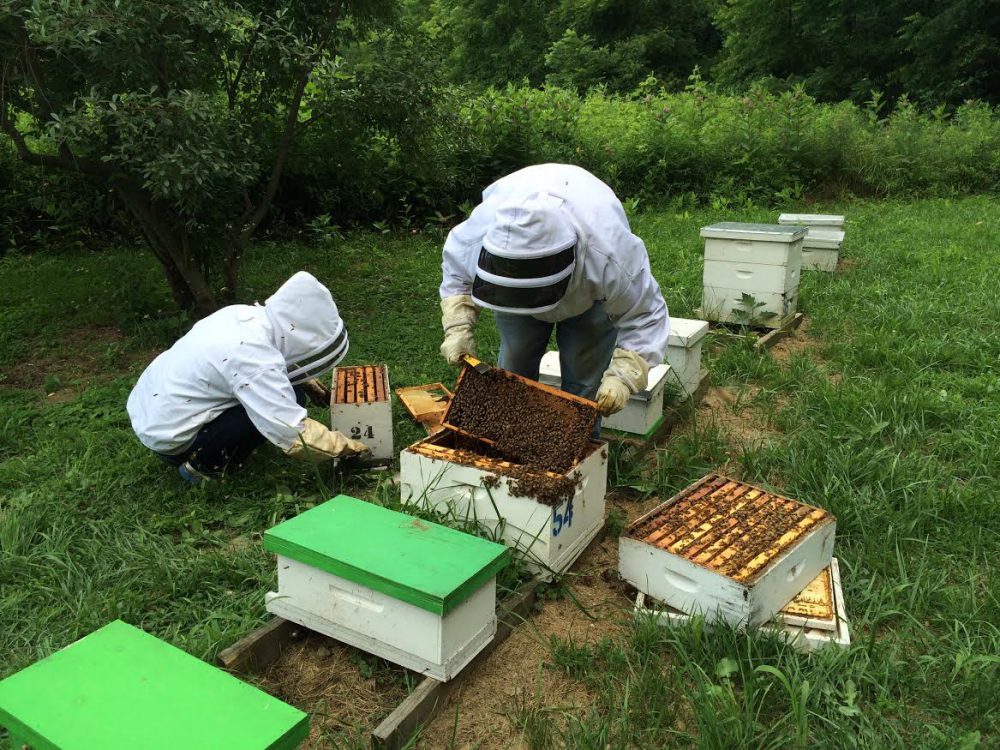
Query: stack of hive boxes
x=751, y=273
x=741, y=555
x=821, y=246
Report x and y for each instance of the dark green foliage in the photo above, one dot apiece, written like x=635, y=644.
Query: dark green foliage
x=937, y=53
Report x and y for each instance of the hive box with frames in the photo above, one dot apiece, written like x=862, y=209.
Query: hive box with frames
x=758, y=262
x=548, y=516
x=411, y=591
x=360, y=407
x=727, y=550
x=814, y=619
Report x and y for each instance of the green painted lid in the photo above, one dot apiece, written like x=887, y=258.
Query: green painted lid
x=415, y=561
x=122, y=688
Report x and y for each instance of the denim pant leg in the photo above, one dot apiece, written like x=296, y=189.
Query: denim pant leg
x=522, y=343
x=225, y=442
x=586, y=344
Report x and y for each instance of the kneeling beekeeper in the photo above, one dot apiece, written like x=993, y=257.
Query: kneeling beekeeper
x=550, y=246
x=236, y=379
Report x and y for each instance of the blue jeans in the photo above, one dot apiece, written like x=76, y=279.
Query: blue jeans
x=585, y=343
x=224, y=443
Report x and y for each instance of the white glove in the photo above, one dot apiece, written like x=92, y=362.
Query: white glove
x=458, y=319
x=316, y=444
x=627, y=374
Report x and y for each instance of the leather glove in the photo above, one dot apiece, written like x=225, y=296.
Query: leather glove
x=316, y=444
x=458, y=319
x=627, y=374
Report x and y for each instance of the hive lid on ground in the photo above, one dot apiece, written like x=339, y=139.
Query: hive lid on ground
x=813, y=220
x=122, y=688
x=730, y=527
x=416, y=561
x=685, y=332
x=734, y=230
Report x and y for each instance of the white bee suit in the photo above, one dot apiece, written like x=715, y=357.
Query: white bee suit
x=611, y=263
x=249, y=355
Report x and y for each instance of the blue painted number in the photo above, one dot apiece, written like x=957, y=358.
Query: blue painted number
x=562, y=519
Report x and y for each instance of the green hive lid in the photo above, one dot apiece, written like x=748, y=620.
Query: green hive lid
x=415, y=561
x=121, y=688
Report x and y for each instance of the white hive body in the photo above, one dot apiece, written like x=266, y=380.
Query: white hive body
x=751, y=273
x=361, y=407
x=549, y=538
x=644, y=409
x=684, y=352
x=436, y=645
x=411, y=591
x=805, y=634
x=821, y=246
x=727, y=550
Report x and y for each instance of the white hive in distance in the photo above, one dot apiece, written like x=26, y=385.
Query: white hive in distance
x=821, y=246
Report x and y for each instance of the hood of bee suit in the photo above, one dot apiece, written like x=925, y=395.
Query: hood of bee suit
x=306, y=326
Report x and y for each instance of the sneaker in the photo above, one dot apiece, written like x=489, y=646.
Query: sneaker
x=192, y=475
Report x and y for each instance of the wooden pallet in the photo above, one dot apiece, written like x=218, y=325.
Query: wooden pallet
x=264, y=646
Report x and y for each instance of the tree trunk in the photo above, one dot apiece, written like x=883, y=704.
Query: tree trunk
x=187, y=282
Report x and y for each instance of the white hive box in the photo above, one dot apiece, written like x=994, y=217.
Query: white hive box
x=727, y=550
x=763, y=261
x=361, y=407
x=413, y=592
x=833, y=222
x=644, y=410
x=814, y=619
x=684, y=351
x=547, y=517
x=821, y=250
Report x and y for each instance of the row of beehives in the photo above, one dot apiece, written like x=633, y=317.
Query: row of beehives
x=752, y=271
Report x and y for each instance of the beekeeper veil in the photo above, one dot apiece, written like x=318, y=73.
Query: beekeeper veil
x=527, y=258
x=308, y=329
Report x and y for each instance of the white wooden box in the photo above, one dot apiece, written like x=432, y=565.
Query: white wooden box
x=644, y=409
x=414, y=592
x=803, y=634
x=760, y=260
x=549, y=537
x=821, y=250
x=361, y=407
x=820, y=221
x=751, y=277
x=684, y=352
x=379, y=624
x=727, y=550
x=727, y=305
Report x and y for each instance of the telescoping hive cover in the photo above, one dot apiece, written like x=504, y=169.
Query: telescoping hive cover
x=416, y=561
x=120, y=688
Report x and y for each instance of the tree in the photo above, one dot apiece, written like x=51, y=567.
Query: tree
x=186, y=109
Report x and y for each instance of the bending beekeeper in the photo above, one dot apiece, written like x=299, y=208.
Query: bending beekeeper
x=550, y=247
x=238, y=379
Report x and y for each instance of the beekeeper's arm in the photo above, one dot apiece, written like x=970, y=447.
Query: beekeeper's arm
x=458, y=260
x=637, y=307
x=270, y=402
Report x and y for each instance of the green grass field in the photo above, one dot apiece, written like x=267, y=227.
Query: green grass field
x=890, y=419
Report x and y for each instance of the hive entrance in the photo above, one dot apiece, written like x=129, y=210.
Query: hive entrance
x=527, y=422
x=730, y=527
x=361, y=385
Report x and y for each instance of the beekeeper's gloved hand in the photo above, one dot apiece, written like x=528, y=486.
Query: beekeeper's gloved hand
x=625, y=375
x=458, y=319
x=316, y=443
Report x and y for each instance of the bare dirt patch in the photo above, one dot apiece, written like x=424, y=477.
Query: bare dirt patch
x=85, y=355
x=797, y=342
x=323, y=677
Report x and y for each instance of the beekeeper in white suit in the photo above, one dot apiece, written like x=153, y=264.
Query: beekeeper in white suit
x=235, y=381
x=550, y=246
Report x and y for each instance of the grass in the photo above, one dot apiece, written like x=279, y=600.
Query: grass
x=892, y=422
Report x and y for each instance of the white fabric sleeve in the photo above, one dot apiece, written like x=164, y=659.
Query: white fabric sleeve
x=636, y=305
x=270, y=402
